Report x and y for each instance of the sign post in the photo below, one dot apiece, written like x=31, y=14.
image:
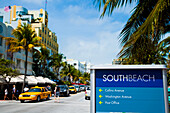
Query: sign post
x=129, y=89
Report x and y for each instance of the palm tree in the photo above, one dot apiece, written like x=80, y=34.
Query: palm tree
x=69, y=71
x=78, y=75
x=57, y=62
x=40, y=60
x=147, y=53
x=44, y=56
x=149, y=21
x=26, y=39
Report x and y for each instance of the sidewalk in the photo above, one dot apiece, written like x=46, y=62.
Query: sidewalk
x=9, y=101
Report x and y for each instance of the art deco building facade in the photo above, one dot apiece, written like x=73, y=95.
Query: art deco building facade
x=17, y=16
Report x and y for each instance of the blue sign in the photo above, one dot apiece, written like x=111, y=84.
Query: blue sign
x=129, y=91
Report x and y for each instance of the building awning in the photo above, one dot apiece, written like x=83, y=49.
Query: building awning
x=40, y=80
x=31, y=80
x=2, y=80
x=49, y=81
x=15, y=79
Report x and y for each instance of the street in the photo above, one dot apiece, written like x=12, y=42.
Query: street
x=75, y=103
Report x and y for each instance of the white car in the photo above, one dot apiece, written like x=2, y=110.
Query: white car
x=82, y=87
x=77, y=88
x=87, y=93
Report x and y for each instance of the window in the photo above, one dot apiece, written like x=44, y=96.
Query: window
x=18, y=63
x=45, y=31
x=40, y=35
x=1, y=19
x=1, y=29
x=40, y=15
x=42, y=29
x=45, y=40
x=19, y=50
x=42, y=38
x=43, y=90
x=24, y=64
x=0, y=41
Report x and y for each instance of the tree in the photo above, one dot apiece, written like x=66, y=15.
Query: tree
x=146, y=52
x=85, y=78
x=57, y=62
x=144, y=29
x=6, y=69
x=25, y=38
x=69, y=71
x=40, y=59
x=77, y=76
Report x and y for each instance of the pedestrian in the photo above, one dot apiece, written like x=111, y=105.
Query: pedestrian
x=49, y=87
x=14, y=92
x=26, y=88
x=57, y=93
x=6, y=94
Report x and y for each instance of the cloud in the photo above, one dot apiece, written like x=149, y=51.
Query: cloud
x=100, y=51
x=85, y=37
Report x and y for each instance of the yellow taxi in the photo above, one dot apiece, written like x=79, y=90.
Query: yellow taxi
x=72, y=89
x=35, y=93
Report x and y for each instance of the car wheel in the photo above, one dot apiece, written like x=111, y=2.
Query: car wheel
x=22, y=101
x=38, y=98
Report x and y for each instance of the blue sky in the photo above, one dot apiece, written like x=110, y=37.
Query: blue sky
x=81, y=34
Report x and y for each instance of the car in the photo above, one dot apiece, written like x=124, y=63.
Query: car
x=72, y=89
x=35, y=93
x=87, y=93
x=82, y=87
x=64, y=90
x=77, y=88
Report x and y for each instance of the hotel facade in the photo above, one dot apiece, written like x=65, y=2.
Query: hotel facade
x=17, y=16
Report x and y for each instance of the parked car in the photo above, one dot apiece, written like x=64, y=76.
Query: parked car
x=35, y=93
x=82, y=87
x=72, y=89
x=87, y=93
x=64, y=90
x=77, y=88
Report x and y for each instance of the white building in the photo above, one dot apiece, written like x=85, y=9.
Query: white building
x=78, y=65
x=38, y=19
x=17, y=57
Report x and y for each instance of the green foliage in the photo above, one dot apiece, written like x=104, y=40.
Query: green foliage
x=67, y=83
x=143, y=31
x=40, y=58
x=68, y=70
x=6, y=69
x=25, y=38
x=56, y=61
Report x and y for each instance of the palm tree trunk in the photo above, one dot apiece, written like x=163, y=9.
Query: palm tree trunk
x=26, y=55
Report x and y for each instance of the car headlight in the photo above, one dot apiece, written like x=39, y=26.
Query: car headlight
x=33, y=96
x=65, y=90
x=20, y=95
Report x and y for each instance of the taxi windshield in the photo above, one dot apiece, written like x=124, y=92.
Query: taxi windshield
x=71, y=87
x=35, y=90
